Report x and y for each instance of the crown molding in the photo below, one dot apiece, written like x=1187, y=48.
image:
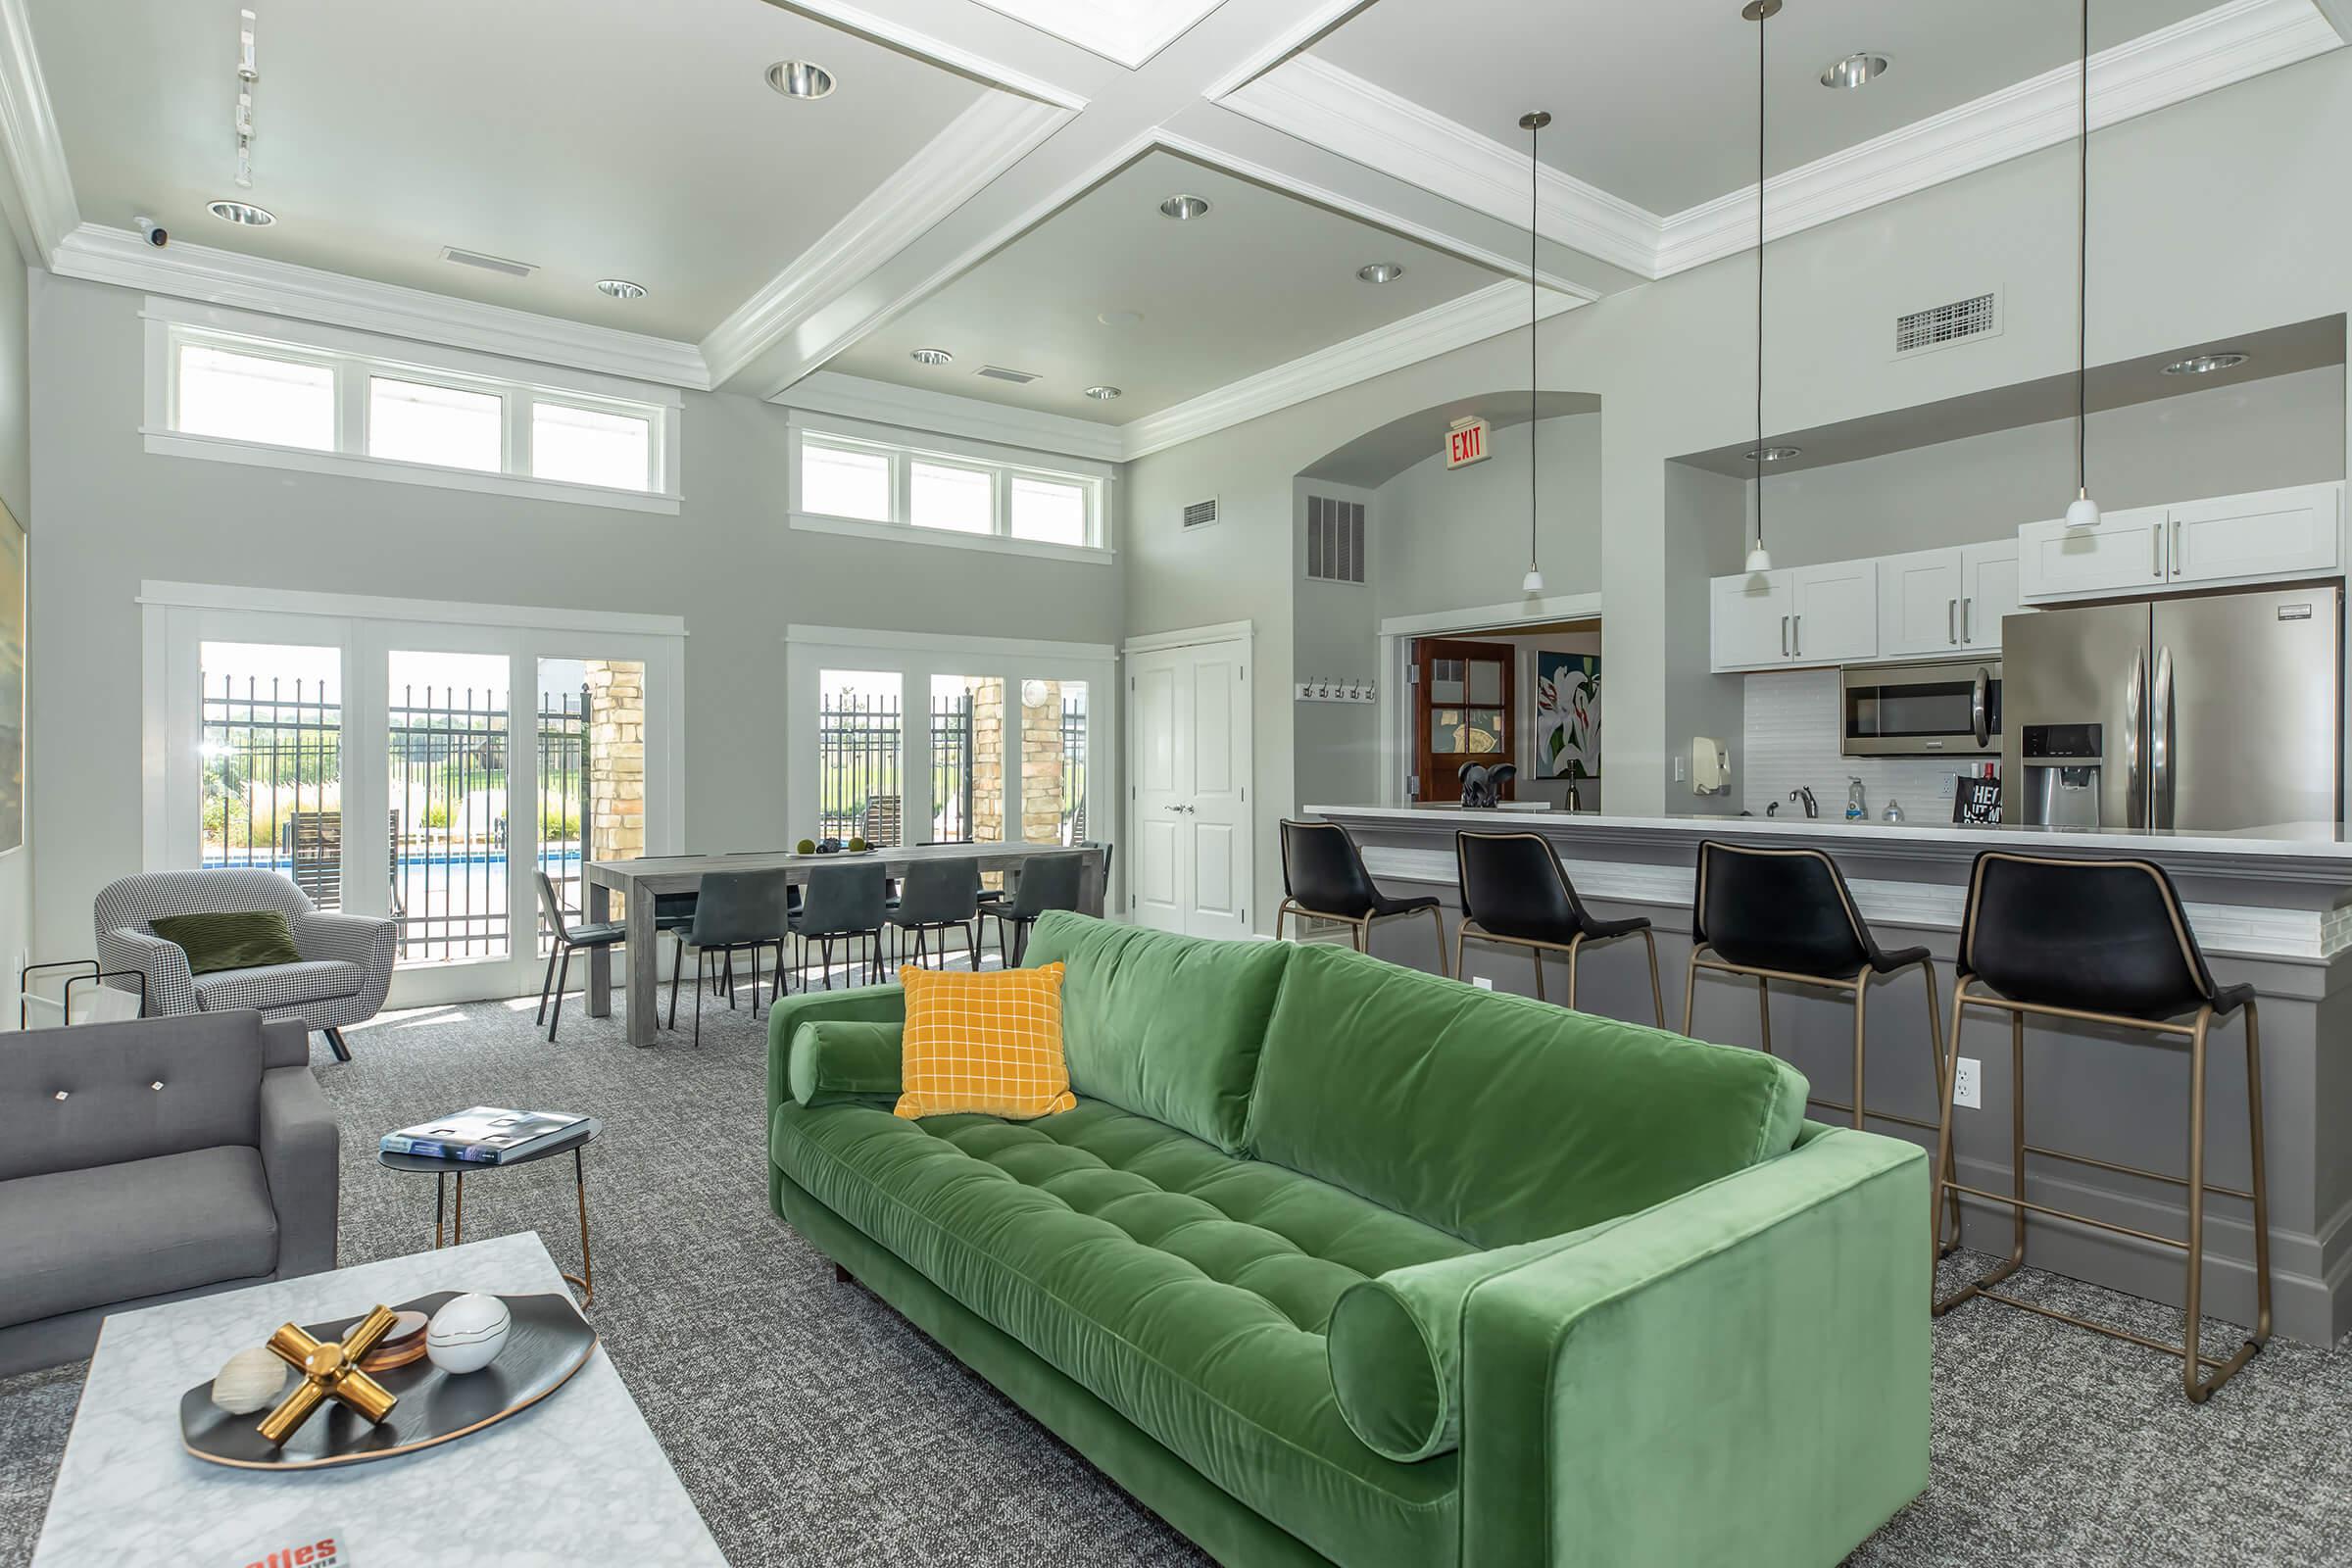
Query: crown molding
x=1125, y=33
x=40, y=206
x=1302, y=33
x=971, y=152
x=186, y=271
x=1471, y=318
x=2198, y=55
x=1342, y=112
x=966, y=62
x=906, y=408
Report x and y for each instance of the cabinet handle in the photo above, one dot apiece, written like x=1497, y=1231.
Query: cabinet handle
x=2176, y=547
x=2156, y=551
x=1968, y=619
x=1951, y=620
x=1800, y=636
x=1784, y=636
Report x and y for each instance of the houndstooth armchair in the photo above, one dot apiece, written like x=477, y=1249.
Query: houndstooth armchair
x=346, y=958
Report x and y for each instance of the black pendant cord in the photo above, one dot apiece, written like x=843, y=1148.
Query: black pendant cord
x=1535, y=141
x=1761, y=20
x=2083, y=280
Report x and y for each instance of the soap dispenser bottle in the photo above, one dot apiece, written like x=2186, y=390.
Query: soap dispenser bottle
x=1856, y=808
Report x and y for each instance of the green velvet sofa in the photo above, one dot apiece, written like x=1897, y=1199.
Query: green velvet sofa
x=1337, y=1262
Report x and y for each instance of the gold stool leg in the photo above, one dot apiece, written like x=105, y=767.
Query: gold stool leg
x=1460, y=934
x=1940, y=1182
x=1437, y=918
x=1689, y=987
x=1861, y=1011
x=1935, y=1046
x=1576, y=945
x=1537, y=953
x=2262, y=1180
x=1764, y=1010
x=2191, y=1373
x=1657, y=997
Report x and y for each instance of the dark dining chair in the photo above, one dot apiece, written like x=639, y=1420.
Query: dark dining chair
x=736, y=911
x=568, y=938
x=1323, y=878
x=1047, y=882
x=845, y=903
x=938, y=896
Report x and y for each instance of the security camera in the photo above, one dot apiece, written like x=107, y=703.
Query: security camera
x=153, y=232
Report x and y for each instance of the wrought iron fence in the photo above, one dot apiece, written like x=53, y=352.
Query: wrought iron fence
x=952, y=765
x=448, y=751
x=565, y=807
x=858, y=740
x=1073, y=765
x=274, y=780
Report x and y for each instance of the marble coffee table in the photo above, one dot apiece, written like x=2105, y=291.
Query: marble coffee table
x=576, y=1480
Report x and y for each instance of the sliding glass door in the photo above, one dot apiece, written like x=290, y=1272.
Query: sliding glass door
x=429, y=772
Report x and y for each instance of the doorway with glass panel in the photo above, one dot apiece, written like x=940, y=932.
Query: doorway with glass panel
x=431, y=771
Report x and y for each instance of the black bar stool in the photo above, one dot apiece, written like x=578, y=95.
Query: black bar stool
x=1516, y=893
x=939, y=895
x=1323, y=878
x=1787, y=916
x=2106, y=942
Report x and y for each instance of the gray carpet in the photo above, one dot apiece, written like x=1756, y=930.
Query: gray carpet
x=856, y=1441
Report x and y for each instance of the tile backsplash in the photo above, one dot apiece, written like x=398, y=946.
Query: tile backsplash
x=1790, y=739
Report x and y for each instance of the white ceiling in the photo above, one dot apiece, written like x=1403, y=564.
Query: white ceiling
x=595, y=138
x=1263, y=279
x=1655, y=103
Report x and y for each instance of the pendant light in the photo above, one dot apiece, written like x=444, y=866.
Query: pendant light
x=2084, y=512
x=1760, y=12
x=1533, y=124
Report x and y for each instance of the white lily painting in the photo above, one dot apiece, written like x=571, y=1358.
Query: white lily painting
x=1568, y=716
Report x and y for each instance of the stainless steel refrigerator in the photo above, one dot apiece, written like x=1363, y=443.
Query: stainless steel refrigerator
x=2208, y=713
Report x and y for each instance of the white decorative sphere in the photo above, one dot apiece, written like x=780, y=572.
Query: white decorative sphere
x=467, y=1333
x=250, y=1381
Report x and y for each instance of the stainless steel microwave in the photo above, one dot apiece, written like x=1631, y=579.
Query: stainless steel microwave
x=1947, y=709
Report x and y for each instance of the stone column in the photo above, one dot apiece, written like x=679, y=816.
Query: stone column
x=1041, y=761
x=988, y=761
x=615, y=808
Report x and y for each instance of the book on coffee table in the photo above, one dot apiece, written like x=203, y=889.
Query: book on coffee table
x=485, y=1134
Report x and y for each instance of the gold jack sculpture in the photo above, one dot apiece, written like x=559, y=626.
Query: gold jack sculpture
x=330, y=1370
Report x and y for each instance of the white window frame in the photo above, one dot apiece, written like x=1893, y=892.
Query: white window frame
x=904, y=448
x=356, y=358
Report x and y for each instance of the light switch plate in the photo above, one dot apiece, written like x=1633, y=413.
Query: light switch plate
x=1483, y=983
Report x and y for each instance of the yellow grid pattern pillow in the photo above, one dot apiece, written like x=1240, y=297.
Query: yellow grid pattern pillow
x=988, y=1042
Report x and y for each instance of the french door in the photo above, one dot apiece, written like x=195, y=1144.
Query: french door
x=1189, y=762
x=428, y=770
x=1461, y=714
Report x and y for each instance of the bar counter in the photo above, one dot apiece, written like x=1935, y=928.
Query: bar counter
x=2272, y=907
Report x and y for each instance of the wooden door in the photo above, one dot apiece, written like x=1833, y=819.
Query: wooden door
x=1462, y=712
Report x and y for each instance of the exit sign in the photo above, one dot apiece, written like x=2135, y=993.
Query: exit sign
x=1466, y=443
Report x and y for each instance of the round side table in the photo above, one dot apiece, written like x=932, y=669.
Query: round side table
x=442, y=1169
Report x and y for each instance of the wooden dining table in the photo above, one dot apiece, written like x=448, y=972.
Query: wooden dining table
x=639, y=882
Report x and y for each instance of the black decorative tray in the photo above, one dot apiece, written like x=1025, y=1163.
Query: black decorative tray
x=549, y=1341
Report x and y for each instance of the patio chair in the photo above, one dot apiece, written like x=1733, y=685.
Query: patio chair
x=346, y=961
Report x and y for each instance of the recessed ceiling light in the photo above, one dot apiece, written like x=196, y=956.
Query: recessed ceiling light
x=1120, y=317
x=620, y=288
x=1103, y=394
x=245, y=212
x=1771, y=453
x=2207, y=364
x=932, y=357
x=1381, y=272
x=1184, y=209
x=1854, y=70
x=799, y=78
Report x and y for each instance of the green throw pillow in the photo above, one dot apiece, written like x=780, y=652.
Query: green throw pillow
x=250, y=939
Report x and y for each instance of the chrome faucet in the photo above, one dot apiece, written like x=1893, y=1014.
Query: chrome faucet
x=1804, y=793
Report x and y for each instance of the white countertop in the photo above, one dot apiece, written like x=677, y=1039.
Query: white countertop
x=2303, y=840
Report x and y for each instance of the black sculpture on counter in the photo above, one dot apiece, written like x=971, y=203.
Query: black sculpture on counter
x=1482, y=787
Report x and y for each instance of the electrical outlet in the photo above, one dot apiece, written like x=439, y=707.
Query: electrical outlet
x=1968, y=1089
x=1483, y=983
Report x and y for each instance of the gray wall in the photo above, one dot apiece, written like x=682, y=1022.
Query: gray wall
x=727, y=563
x=2258, y=435
x=16, y=490
x=1457, y=540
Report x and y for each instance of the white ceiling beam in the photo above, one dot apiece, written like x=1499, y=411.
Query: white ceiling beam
x=910, y=408
x=2339, y=16
x=38, y=194
x=1126, y=32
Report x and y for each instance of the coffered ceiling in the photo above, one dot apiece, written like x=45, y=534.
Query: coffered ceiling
x=985, y=174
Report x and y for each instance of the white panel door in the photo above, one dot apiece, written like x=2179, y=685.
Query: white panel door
x=1837, y=610
x=1919, y=605
x=1156, y=834
x=1749, y=617
x=2124, y=554
x=1189, y=748
x=2269, y=536
x=1987, y=593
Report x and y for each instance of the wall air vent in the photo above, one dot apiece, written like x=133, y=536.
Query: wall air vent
x=1335, y=540
x=488, y=264
x=1200, y=514
x=997, y=373
x=1940, y=327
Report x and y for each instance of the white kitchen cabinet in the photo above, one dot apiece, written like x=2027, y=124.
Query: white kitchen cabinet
x=2125, y=554
x=1836, y=614
x=1749, y=620
x=2269, y=536
x=1988, y=591
x=1918, y=604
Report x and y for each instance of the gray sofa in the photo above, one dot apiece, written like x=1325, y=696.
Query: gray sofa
x=346, y=958
x=154, y=1159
